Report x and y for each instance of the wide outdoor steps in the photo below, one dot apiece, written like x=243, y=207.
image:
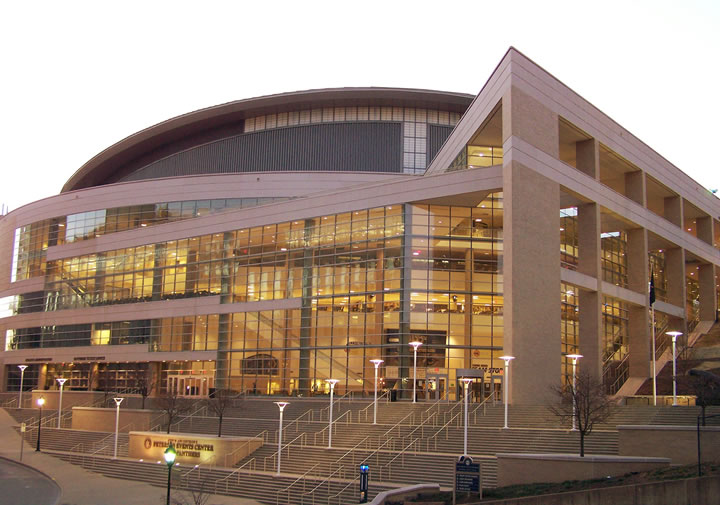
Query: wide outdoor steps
x=427, y=436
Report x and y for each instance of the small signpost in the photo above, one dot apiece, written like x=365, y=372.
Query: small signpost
x=23, y=428
x=467, y=477
x=364, y=482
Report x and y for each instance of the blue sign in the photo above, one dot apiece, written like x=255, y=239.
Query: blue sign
x=467, y=475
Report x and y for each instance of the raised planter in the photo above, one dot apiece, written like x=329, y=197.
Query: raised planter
x=529, y=468
x=679, y=443
x=99, y=419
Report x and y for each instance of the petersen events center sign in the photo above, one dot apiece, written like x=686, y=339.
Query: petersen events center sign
x=192, y=448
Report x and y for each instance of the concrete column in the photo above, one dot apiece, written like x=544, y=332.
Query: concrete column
x=635, y=186
x=639, y=341
x=673, y=211
x=590, y=341
x=637, y=260
x=532, y=311
x=469, y=256
x=587, y=154
x=589, y=247
x=675, y=275
x=704, y=227
x=531, y=269
x=708, y=292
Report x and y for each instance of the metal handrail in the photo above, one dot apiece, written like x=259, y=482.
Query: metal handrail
x=293, y=483
x=326, y=480
x=323, y=433
x=303, y=443
x=250, y=463
x=483, y=404
x=366, y=410
x=388, y=465
x=444, y=427
x=309, y=413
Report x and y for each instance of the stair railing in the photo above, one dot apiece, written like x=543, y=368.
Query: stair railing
x=339, y=473
x=365, y=413
x=302, y=437
x=445, y=428
x=344, y=418
x=251, y=466
x=387, y=467
x=301, y=479
x=482, y=405
x=309, y=414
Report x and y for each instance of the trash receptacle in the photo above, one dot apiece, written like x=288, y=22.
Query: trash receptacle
x=393, y=395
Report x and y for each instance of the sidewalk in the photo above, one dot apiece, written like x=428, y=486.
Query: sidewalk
x=80, y=487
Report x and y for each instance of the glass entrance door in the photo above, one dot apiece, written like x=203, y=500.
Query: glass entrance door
x=190, y=385
x=436, y=386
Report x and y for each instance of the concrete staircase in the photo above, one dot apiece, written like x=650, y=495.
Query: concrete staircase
x=408, y=440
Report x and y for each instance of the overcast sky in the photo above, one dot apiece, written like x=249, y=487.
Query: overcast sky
x=77, y=77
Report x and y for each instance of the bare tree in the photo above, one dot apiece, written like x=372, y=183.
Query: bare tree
x=173, y=405
x=218, y=402
x=706, y=387
x=591, y=405
x=144, y=385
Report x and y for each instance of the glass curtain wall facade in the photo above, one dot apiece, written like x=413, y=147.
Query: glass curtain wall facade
x=365, y=283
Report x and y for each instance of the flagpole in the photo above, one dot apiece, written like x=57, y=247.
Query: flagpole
x=654, y=371
x=651, y=296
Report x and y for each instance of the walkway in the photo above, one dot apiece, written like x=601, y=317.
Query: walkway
x=77, y=486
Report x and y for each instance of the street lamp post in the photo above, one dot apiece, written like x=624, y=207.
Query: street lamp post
x=506, y=382
x=118, y=401
x=674, y=335
x=415, y=346
x=281, y=406
x=466, y=383
x=170, y=454
x=22, y=377
x=61, y=381
x=575, y=358
x=377, y=363
x=40, y=402
x=332, y=383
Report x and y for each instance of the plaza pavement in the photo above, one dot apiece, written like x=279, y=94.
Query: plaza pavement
x=20, y=485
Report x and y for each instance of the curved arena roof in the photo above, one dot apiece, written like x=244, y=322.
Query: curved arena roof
x=127, y=159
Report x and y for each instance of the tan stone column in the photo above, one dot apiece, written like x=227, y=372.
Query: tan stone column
x=637, y=260
x=589, y=338
x=635, y=186
x=587, y=155
x=639, y=322
x=469, y=260
x=675, y=274
x=589, y=246
x=589, y=302
x=531, y=269
x=673, y=210
x=704, y=227
x=708, y=292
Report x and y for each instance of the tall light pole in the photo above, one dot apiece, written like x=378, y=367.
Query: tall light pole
x=575, y=358
x=281, y=406
x=22, y=377
x=61, y=381
x=506, y=382
x=674, y=335
x=377, y=363
x=40, y=402
x=169, y=455
x=118, y=401
x=415, y=346
x=332, y=383
x=466, y=383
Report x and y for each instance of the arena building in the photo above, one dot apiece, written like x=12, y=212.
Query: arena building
x=269, y=244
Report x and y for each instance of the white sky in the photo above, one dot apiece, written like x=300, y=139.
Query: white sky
x=76, y=77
